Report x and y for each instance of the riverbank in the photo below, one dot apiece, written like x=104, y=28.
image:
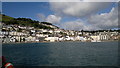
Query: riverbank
x=58, y=41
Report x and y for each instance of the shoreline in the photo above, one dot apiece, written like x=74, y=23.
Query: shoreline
x=58, y=41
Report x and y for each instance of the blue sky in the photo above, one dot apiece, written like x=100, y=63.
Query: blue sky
x=32, y=9
x=29, y=10
x=23, y=9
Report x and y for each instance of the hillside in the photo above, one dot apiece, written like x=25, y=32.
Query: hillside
x=26, y=22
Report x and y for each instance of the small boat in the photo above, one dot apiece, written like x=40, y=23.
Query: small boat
x=6, y=64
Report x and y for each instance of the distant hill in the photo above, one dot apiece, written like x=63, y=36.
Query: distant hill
x=25, y=22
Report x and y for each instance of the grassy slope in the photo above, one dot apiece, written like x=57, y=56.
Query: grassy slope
x=24, y=22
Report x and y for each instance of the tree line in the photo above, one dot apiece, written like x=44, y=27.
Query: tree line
x=24, y=22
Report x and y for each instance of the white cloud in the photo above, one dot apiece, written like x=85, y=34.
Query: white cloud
x=95, y=22
x=76, y=25
x=84, y=0
x=53, y=19
x=78, y=9
x=105, y=20
x=60, y=0
x=81, y=10
x=41, y=16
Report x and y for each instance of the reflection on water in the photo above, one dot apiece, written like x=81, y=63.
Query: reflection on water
x=62, y=54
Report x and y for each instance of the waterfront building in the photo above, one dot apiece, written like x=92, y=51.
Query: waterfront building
x=61, y=39
x=30, y=39
x=95, y=38
x=52, y=39
x=104, y=36
x=12, y=39
x=6, y=40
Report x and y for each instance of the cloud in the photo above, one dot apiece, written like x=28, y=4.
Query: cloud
x=41, y=16
x=86, y=13
x=78, y=9
x=95, y=22
x=84, y=0
x=75, y=25
x=105, y=20
x=53, y=19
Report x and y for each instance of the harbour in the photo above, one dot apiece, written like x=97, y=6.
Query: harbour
x=62, y=54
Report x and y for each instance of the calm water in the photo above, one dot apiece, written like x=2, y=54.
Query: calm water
x=62, y=54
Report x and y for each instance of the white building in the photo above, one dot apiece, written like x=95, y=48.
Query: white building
x=30, y=39
x=95, y=38
x=104, y=37
x=61, y=39
x=52, y=39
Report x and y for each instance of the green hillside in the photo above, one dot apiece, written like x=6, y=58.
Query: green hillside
x=24, y=22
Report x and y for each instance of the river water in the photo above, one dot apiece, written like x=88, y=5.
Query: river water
x=62, y=54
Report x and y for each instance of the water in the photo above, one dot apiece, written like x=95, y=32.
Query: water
x=62, y=54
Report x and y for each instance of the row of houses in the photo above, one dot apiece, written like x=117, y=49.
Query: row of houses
x=14, y=33
x=23, y=37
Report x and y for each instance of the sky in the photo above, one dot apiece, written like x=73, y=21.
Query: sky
x=67, y=15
